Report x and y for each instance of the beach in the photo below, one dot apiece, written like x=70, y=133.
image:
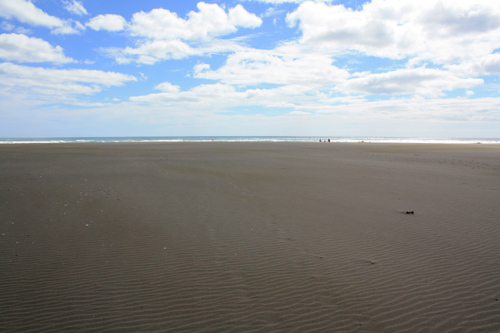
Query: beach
x=240, y=237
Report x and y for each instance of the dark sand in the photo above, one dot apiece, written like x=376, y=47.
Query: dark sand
x=250, y=237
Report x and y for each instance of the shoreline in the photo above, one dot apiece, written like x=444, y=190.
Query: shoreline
x=252, y=139
x=323, y=143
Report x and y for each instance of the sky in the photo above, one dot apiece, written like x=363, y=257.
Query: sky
x=393, y=68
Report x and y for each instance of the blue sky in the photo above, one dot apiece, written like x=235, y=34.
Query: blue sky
x=249, y=67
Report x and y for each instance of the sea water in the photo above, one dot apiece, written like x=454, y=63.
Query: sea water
x=248, y=139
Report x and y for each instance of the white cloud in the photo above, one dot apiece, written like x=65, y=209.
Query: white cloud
x=271, y=11
x=203, y=94
x=210, y=21
x=162, y=35
x=57, y=83
x=74, y=7
x=222, y=97
x=239, y=17
x=68, y=27
x=416, y=108
x=21, y=48
x=150, y=52
x=279, y=2
x=486, y=65
x=305, y=74
x=23, y=31
x=109, y=22
x=253, y=67
x=7, y=26
x=26, y=12
x=200, y=68
x=421, y=81
x=441, y=31
x=153, y=51
x=168, y=87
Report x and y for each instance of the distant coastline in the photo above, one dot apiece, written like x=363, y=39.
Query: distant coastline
x=332, y=139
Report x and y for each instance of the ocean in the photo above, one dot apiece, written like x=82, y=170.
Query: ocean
x=248, y=139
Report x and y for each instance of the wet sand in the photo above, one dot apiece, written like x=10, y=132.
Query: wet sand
x=250, y=237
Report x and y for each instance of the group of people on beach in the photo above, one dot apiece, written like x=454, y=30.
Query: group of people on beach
x=324, y=140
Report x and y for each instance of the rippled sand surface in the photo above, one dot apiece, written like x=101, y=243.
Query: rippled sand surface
x=250, y=237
